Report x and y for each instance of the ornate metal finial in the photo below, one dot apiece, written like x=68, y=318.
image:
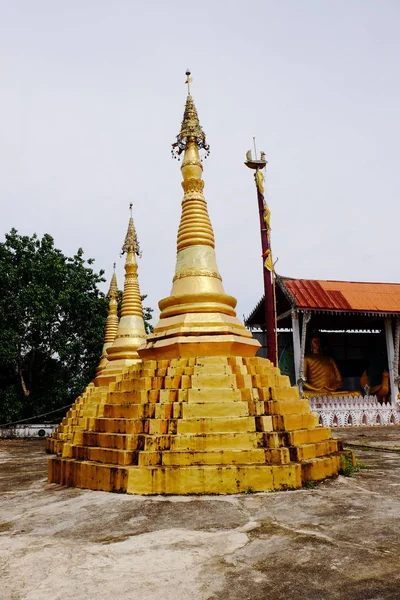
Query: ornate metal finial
x=131, y=241
x=255, y=162
x=188, y=80
x=113, y=290
x=114, y=267
x=191, y=130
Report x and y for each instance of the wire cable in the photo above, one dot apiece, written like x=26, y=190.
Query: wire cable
x=35, y=417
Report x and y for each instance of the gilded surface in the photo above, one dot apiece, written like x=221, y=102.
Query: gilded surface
x=111, y=323
x=193, y=185
x=131, y=332
x=198, y=425
x=197, y=272
x=131, y=240
x=191, y=130
x=200, y=414
x=113, y=289
x=197, y=288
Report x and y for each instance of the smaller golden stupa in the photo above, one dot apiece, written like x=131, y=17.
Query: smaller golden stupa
x=122, y=339
x=131, y=334
x=201, y=414
x=111, y=322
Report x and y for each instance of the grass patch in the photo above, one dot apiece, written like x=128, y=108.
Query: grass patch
x=347, y=466
x=310, y=485
x=360, y=466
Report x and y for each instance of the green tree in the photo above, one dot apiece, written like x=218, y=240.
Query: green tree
x=52, y=317
x=147, y=316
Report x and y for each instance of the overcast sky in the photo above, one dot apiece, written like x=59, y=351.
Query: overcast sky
x=92, y=95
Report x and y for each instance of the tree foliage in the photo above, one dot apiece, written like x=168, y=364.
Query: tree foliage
x=147, y=316
x=52, y=318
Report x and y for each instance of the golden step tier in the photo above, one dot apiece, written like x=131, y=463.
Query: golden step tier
x=197, y=425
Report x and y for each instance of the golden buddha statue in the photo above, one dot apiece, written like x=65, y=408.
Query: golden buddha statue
x=322, y=375
x=381, y=390
x=375, y=380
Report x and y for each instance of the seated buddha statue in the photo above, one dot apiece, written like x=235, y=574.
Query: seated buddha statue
x=381, y=390
x=322, y=375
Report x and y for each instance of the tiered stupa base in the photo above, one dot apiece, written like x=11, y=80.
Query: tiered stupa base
x=208, y=425
x=76, y=419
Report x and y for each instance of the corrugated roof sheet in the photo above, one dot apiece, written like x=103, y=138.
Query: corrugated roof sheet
x=346, y=296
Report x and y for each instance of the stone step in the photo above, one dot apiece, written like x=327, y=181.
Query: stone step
x=117, y=441
x=316, y=469
x=87, y=474
x=264, y=423
x=215, y=409
x=212, y=479
x=213, y=395
x=133, y=397
x=212, y=370
x=307, y=451
x=275, y=439
x=216, y=425
x=135, y=384
x=211, y=361
x=109, y=425
x=213, y=441
x=291, y=422
x=286, y=407
x=129, y=411
x=103, y=455
x=307, y=436
x=286, y=393
x=211, y=381
x=216, y=457
x=224, y=457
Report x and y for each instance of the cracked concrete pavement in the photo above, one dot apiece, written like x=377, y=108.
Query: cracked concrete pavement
x=338, y=540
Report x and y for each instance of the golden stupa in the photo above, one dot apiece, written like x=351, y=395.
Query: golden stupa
x=111, y=323
x=201, y=414
x=122, y=339
x=131, y=334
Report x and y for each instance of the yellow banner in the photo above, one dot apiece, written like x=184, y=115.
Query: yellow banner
x=260, y=181
x=267, y=217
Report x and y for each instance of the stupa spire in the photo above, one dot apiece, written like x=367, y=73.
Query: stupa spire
x=113, y=289
x=111, y=322
x=198, y=311
x=131, y=240
x=131, y=331
x=191, y=130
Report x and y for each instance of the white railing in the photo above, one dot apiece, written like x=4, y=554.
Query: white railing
x=342, y=411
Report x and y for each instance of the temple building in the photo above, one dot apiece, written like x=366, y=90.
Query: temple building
x=195, y=411
x=338, y=341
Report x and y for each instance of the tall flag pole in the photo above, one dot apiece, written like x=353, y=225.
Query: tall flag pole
x=258, y=165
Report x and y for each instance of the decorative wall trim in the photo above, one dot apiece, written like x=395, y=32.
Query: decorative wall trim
x=350, y=411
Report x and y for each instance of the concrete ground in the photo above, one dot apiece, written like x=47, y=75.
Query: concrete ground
x=340, y=539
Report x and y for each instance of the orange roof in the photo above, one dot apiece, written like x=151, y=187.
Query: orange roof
x=345, y=296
